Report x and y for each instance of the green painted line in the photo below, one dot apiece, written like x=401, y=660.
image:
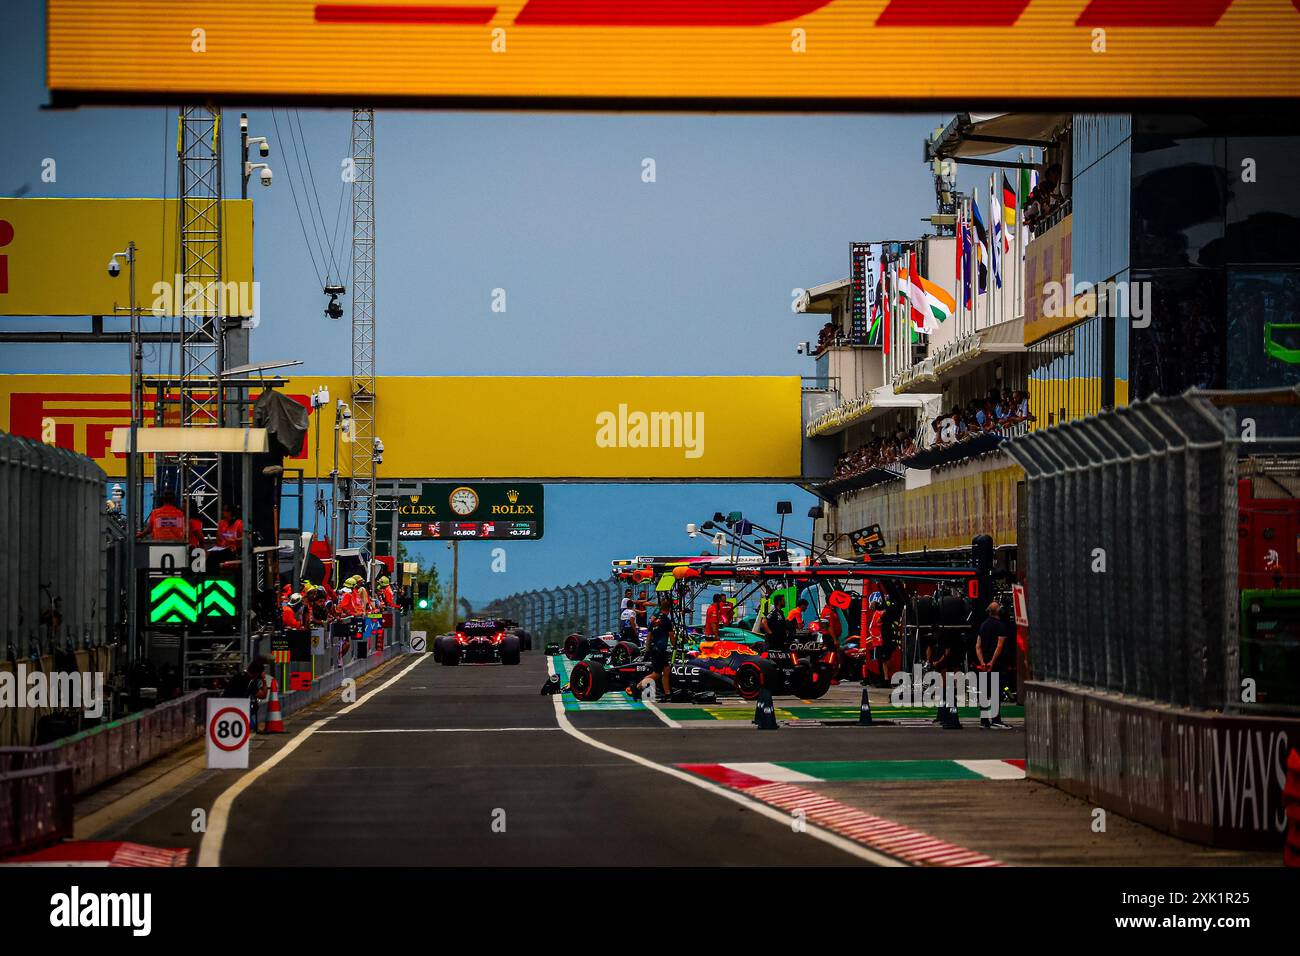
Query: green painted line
x=882, y=769
x=689, y=713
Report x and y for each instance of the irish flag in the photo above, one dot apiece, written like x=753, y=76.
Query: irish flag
x=931, y=303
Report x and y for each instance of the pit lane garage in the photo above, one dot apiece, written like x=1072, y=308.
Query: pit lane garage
x=804, y=663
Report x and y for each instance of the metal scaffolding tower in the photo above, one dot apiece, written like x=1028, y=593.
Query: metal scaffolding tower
x=200, y=389
x=361, y=505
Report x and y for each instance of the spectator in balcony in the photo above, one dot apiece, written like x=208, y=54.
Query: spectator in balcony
x=1044, y=198
x=1022, y=413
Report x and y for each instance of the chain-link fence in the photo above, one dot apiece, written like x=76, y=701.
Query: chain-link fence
x=1132, y=552
x=591, y=607
x=53, y=586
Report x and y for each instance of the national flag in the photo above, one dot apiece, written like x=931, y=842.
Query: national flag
x=1028, y=180
x=915, y=294
x=966, y=271
x=1008, y=205
x=996, y=252
x=981, y=245
x=886, y=315
x=933, y=301
x=995, y=247
x=877, y=309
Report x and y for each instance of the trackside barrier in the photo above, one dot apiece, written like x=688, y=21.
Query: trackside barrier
x=1291, y=799
x=1204, y=776
x=1136, y=702
x=35, y=807
x=102, y=753
x=330, y=681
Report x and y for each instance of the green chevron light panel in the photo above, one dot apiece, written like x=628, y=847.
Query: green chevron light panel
x=177, y=600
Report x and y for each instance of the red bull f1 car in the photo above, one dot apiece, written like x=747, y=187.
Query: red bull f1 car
x=804, y=668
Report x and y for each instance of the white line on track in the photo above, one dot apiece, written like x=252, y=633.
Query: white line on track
x=219, y=815
x=762, y=809
x=440, y=730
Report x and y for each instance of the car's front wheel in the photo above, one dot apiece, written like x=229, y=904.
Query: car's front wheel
x=588, y=681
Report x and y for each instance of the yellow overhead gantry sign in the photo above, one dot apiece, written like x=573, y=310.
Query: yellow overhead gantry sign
x=704, y=54
x=595, y=429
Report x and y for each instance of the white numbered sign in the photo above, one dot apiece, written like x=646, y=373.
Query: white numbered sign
x=227, y=733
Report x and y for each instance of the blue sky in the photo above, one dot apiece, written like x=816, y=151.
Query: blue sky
x=604, y=274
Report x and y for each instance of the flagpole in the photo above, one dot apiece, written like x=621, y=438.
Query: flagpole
x=990, y=316
x=1015, y=289
x=966, y=306
x=1020, y=246
x=995, y=257
x=975, y=249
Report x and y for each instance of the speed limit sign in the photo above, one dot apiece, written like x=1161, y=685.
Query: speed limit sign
x=227, y=733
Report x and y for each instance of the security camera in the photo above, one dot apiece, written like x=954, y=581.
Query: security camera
x=264, y=150
x=114, y=267
x=379, y=446
x=265, y=175
x=799, y=348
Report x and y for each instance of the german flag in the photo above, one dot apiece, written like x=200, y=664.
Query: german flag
x=1008, y=203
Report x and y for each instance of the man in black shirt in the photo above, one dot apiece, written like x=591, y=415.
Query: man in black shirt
x=995, y=652
x=661, y=631
x=774, y=627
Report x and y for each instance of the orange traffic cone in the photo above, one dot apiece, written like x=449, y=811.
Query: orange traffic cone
x=274, y=719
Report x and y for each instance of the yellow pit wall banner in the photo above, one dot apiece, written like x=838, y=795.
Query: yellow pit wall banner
x=462, y=427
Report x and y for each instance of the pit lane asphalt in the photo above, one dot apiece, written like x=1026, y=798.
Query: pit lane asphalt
x=418, y=774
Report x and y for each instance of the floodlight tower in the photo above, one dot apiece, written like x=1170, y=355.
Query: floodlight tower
x=360, y=529
x=202, y=353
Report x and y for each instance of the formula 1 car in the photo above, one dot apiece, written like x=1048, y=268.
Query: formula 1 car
x=804, y=669
x=605, y=647
x=478, y=641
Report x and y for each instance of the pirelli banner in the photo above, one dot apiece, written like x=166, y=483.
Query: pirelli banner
x=701, y=54
x=742, y=428
x=54, y=258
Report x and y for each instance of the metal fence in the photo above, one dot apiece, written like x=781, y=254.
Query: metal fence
x=1131, y=554
x=54, y=590
x=594, y=605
